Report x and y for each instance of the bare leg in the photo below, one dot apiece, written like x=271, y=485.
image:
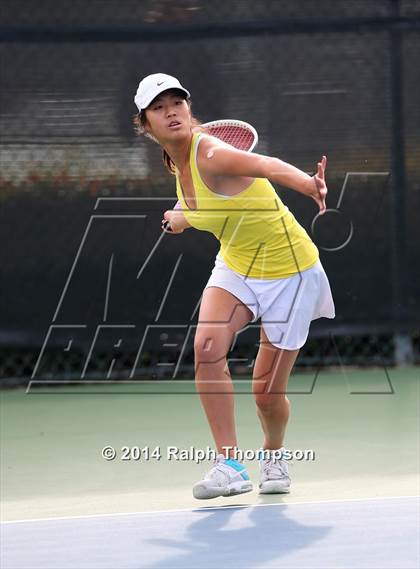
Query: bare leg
x=271, y=374
x=221, y=316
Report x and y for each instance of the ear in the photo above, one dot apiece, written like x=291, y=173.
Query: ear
x=146, y=126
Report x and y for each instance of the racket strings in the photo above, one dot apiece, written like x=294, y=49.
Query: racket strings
x=237, y=136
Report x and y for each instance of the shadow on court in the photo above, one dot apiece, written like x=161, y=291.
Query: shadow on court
x=222, y=538
x=376, y=534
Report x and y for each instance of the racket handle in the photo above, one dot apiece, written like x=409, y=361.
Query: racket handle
x=177, y=205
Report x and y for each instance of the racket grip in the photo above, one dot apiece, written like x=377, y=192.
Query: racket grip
x=177, y=205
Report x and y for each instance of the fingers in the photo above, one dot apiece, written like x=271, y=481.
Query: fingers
x=321, y=166
x=320, y=171
x=322, y=200
x=320, y=193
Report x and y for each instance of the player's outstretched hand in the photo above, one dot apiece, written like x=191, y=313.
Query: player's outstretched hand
x=319, y=188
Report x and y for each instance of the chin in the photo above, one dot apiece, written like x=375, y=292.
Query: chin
x=178, y=134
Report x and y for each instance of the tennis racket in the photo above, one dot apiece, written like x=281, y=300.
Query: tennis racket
x=238, y=134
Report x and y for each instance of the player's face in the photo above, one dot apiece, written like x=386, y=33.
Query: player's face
x=169, y=116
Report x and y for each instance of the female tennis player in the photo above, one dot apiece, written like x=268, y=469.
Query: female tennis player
x=267, y=267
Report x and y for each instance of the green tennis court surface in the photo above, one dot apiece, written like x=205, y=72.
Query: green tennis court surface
x=374, y=533
x=366, y=444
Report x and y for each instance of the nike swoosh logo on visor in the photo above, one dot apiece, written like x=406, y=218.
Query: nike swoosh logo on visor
x=159, y=84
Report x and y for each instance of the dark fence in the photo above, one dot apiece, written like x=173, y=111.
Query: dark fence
x=339, y=78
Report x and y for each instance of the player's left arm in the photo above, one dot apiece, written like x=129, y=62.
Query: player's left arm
x=225, y=161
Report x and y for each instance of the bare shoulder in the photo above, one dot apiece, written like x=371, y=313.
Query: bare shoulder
x=208, y=143
x=218, y=158
x=215, y=160
x=207, y=150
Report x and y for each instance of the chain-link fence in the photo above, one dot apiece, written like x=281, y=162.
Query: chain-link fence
x=339, y=78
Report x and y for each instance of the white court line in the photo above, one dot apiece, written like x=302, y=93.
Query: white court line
x=207, y=509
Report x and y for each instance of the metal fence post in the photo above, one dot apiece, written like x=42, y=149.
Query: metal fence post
x=403, y=351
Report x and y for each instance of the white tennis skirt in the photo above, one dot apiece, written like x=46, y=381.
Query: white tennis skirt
x=286, y=306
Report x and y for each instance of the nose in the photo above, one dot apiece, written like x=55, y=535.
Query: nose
x=171, y=111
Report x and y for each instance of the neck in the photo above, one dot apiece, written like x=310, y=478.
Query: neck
x=179, y=152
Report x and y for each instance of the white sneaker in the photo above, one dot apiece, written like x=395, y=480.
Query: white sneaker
x=227, y=477
x=274, y=475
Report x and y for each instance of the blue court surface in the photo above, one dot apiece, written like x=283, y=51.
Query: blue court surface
x=366, y=533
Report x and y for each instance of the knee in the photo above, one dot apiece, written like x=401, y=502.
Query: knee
x=272, y=403
x=208, y=347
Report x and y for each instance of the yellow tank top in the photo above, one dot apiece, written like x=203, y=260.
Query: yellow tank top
x=259, y=237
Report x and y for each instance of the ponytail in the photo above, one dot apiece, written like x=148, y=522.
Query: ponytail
x=167, y=160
